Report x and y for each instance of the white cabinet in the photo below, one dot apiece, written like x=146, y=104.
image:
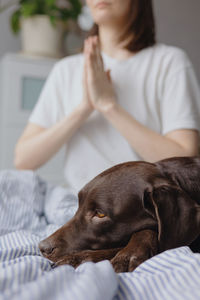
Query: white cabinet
x=21, y=81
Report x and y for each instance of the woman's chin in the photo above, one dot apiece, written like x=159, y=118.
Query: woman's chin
x=103, y=17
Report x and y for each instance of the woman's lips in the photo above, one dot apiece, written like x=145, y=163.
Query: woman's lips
x=101, y=4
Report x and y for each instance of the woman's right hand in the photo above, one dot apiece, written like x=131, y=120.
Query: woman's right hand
x=86, y=98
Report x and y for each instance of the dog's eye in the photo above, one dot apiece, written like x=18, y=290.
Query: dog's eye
x=100, y=214
x=99, y=217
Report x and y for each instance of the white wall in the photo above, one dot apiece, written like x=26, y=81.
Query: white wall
x=178, y=23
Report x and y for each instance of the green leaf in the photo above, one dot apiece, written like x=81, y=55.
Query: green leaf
x=29, y=9
x=53, y=20
x=50, y=2
x=15, y=21
x=50, y=8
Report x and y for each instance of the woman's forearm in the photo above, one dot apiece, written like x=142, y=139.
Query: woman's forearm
x=35, y=150
x=150, y=145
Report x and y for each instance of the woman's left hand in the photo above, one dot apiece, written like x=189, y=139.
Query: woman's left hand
x=100, y=87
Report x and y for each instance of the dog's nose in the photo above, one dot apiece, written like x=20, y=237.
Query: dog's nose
x=46, y=247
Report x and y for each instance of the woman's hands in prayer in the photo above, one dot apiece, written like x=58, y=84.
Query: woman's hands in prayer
x=97, y=83
x=86, y=97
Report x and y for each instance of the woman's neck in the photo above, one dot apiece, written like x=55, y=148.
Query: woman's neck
x=110, y=45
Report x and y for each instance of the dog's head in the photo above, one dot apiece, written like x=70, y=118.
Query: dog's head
x=122, y=200
x=110, y=210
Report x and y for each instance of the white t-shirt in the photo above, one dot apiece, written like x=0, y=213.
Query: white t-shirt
x=157, y=86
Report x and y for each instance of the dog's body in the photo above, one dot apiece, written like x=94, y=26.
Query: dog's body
x=131, y=212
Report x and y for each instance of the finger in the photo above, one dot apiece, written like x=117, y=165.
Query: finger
x=92, y=54
x=90, y=49
x=97, y=59
x=96, y=46
x=86, y=47
x=85, y=54
x=93, y=47
x=85, y=72
x=90, y=67
x=85, y=67
x=99, y=56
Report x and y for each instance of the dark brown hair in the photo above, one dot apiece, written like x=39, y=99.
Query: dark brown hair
x=140, y=29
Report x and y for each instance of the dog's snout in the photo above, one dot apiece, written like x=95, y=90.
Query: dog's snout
x=45, y=247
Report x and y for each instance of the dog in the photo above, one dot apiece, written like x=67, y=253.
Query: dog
x=131, y=212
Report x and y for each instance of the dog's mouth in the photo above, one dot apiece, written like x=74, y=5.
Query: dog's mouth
x=54, y=254
x=49, y=255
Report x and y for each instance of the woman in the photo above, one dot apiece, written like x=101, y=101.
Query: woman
x=137, y=100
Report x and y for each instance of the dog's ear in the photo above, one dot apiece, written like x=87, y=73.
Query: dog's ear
x=177, y=215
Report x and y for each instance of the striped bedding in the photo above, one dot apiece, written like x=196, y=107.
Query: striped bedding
x=31, y=209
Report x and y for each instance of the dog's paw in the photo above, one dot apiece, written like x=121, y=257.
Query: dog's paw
x=125, y=262
x=74, y=259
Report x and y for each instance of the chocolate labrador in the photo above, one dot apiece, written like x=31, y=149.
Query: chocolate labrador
x=131, y=212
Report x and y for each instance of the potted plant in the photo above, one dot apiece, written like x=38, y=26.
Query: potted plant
x=43, y=23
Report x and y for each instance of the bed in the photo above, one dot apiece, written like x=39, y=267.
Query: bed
x=31, y=209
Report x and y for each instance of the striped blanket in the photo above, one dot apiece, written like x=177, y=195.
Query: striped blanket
x=31, y=209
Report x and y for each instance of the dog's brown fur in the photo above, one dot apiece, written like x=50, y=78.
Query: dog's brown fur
x=148, y=208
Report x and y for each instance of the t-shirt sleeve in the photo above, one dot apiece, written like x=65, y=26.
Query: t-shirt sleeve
x=49, y=107
x=180, y=105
